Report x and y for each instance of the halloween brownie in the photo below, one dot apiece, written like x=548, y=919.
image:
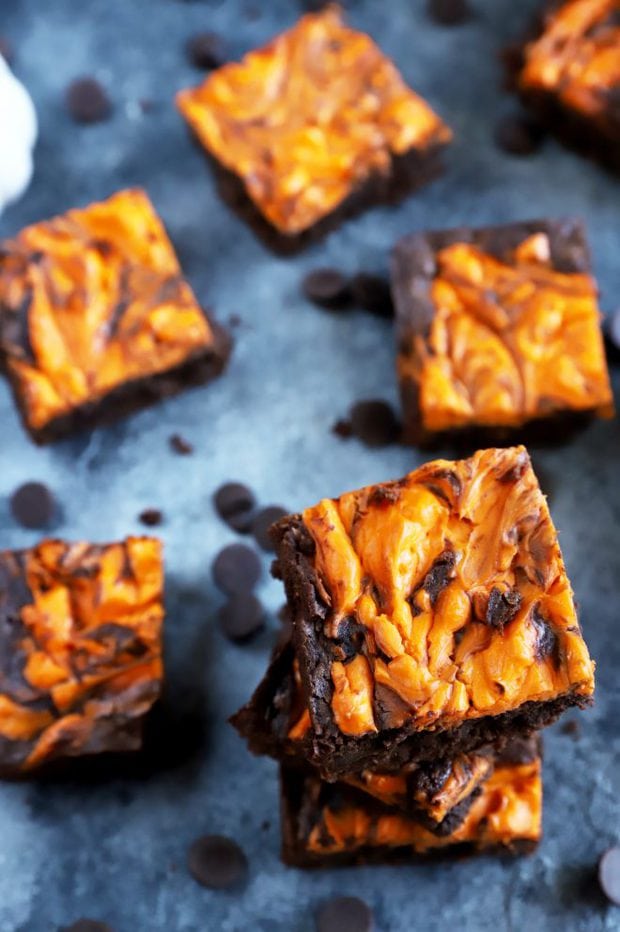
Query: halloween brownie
x=96, y=318
x=311, y=127
x=81, y=658
x=498, y=331
x=432, y=615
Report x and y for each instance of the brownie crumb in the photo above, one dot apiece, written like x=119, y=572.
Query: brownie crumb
x=327, y=287
x=180, y=445
x=342, y=428
x=518, y=134
x=263, y=521
x=33, y=505
x=372, y=293
x=151, y=517
x=571, y=728
x=87, y=101
x=205, y=50
x=236, y=568
x=449, y=12
x=609, y=874
x=235, y=503
x=374, y=423
x=216, y=862
x=502, y=607
x=242, y=617
x=344, y=914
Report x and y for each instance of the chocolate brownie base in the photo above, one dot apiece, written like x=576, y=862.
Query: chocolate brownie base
x=336, y=754
x=135, y=395
x=413, y=267
x=408, y=173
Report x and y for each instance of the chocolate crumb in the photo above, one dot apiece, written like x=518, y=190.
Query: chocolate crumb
x=609, y=874
x=216, y=862
x=571, y=728
x=33, y=505
x=263, y=521
x=205, y=50
x=236, y=568
x=518, y=134
x=449, y=12
x=151, y=517
x=342, y=428
x=180, y=445
x=326, y=287
x=87, y=101
x=241, y=617
x=344, y=914
x=372, y=293
x=374, y=423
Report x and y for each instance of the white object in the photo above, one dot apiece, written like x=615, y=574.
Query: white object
x=18, y=133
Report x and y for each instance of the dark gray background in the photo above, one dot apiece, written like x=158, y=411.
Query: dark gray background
x=115, y=848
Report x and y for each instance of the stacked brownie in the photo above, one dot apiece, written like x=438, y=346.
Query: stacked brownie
x=433, y=632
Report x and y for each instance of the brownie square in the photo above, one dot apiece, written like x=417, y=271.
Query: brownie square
x=328, y=824
x=81, y=658
x=568, y=72
x=431, y=614
x=498, y=328
x=276, y=722
x=312, y=120
x=96, y=318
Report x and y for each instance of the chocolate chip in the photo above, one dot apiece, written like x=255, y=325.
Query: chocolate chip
x=151, y=517
x=326, y=287
x=241, y=617
x=205, y=50
x=87, y=101
x=216, y=862
x=439, y=575
x=263, y=521
x=236, y=568
x=342, y=428
x=384, y=494
x=372, y=293
x=449, y=12
x=180, y=445
x=87, y=925
x=502, y=607
x=375, y=423
x=547, y=642
x=609, y=874
x=344, y=914
x=518, y=135
x=33, y=505
x=235, y=502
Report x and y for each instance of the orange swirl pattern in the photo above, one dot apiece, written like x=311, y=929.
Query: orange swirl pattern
x=100, y=301
x=455, y=577
x=306, y=119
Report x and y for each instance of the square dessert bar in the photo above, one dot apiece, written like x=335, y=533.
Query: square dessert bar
x=276, y=722
x=569, y=73
x=325, y=824
x=498, y=328
x=431, y=615
x=96, y=318
x=81, y=659
x=318, y=119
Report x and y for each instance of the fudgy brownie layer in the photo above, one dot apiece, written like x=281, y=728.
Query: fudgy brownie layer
x=335, y=753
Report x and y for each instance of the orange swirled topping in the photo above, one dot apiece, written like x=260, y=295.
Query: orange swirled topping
x=306, y=119
x=99, y=299
x=462, y=596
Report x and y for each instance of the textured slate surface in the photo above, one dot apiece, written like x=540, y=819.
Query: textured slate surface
x=114, y=847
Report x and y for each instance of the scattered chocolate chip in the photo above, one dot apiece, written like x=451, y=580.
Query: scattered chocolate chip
x=502, y=607
x=326, y=287
x=571, y=728
x=372, y=293
x=375, y=423
x=242, y=616
x=235, y=504
x=6, y=50
x=263, y=521
x=88, y=101
x=33, y=505
x=180, y=445
x=87, y=925
x=216, y=862
x=449, y=12
x=342, y=428
x=518, y=135
x=236, y=568
x=151, y=517
x=344, y=914
x=205, y=50
x=609, y=874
